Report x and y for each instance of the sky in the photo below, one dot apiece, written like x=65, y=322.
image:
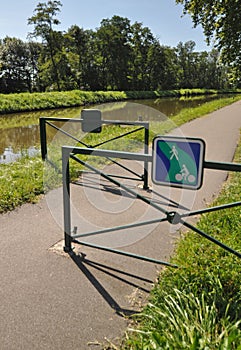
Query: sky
x=163, y=17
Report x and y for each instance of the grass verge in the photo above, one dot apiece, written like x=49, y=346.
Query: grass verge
x=188, y=114
x=198, y=305
x=22, y=102
x=22, y=181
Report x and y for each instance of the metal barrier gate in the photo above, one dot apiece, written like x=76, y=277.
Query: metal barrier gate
x=71, y=235
x=193, y=152
x=95, y=127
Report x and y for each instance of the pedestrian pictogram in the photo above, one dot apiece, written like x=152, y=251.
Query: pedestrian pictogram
x=174, y=153
x=178, y=161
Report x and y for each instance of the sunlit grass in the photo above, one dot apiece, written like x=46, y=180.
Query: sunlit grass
x=198, y=305
x=22, y=102
x=25, y=188
x=20, y=182
x=51, y=100
x=188, y=114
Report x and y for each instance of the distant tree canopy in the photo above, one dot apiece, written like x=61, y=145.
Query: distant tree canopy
x=118, y=55
x=221, y=21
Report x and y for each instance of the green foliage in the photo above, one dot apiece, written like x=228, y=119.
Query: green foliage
x=198, y=305
x=181, y=320
x=44, y=19
x=20, y=182
x=91, y=60
x=220, y=20
x=18, y=65
x=25, y=188
x=51, y=100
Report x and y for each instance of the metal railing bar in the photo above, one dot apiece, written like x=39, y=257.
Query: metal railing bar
x=180, y=206
x=84, y=144
x=113, y=122
x=118, y=228
x=110, y=153
x=127, y=189
x=121, y=122
x=124, y=167
x=130, y=255
x=61, y=119
x=125, y=177
x=210, y=238
x=222, y=166
x=117, y=137
x=67, y=134
x=209, y=210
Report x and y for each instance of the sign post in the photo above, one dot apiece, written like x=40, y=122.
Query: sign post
x=178, y=162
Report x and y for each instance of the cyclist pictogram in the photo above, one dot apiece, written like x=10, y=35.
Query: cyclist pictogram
x=185, y=175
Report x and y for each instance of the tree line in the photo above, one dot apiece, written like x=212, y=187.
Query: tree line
x=119, y=55
x=221, y=23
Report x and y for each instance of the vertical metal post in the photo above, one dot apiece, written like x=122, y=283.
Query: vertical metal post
x=66, y=200
x=146, y=151
x=43, y=138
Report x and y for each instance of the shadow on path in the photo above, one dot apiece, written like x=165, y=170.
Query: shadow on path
x=83, y=263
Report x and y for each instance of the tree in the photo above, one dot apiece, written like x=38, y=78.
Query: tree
x=34, y=50
x=18, y=65
x=167, y=63
x=221, y=21
x=79, y=51
x=142, y=43
x=44, y=19
x=186, y=60
x=113, y=45
x=118, y=55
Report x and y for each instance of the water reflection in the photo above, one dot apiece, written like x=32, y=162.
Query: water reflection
x=171, y=106
x=18, y=141
x=20, y=131
x=9, y=156
x=131, y=111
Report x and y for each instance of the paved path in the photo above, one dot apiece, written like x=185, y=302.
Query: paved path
x=51, y=301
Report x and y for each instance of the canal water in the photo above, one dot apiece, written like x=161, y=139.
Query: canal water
x=19, y=132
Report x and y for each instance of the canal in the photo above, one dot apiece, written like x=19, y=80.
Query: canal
x=19, y=132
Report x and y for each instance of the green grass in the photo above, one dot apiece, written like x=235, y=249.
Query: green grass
x=19, y=186
x=23, y=119
x=20, y=182
x=188, y=114
x=198, y=305
x=22, y=102
x=50, y=100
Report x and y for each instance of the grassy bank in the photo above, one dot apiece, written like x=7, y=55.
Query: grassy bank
x=24, y=180
x=23, y=102
x=20, y=182
x=188, y=114
x=198, y=305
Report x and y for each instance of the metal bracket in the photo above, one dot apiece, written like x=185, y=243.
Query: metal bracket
x=174, y=218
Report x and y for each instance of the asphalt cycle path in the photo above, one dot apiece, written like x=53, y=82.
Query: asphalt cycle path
x=50, y=300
